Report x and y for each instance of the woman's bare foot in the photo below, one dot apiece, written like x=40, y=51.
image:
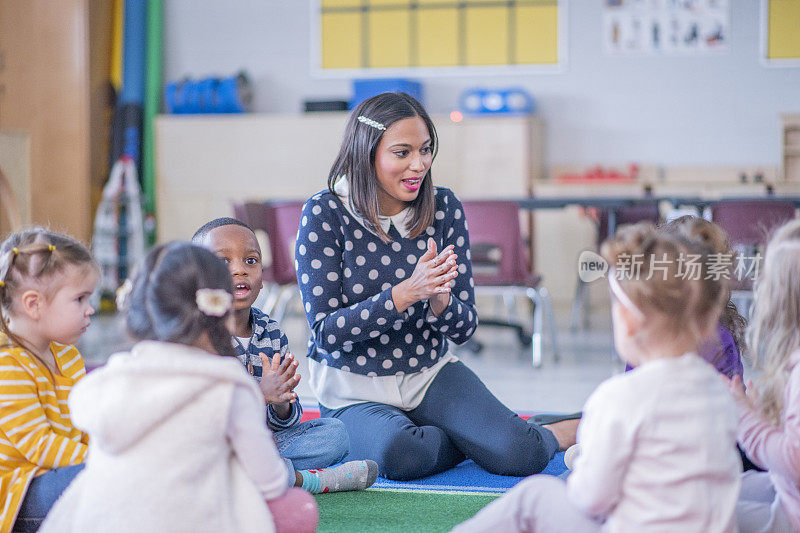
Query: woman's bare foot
x=565, y=432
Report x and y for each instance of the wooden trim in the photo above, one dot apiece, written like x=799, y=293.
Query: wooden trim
x=9, y=204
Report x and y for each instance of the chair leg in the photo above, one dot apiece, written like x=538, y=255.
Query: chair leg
x=498, y=304
x=580, y=307
x=536, y=337
x=263, y=297
x=743, y=300
x=286, y=294
x=510, y=302
x=273, y=291
x=551, y=320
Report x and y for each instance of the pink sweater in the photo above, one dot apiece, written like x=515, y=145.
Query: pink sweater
x=778, y=448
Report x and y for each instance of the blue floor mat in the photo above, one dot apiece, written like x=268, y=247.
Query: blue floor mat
x=467, y=477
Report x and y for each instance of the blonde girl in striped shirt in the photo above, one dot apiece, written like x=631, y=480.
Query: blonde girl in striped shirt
x=46, y=279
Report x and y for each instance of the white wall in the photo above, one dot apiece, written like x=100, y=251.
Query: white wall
x=673, y=111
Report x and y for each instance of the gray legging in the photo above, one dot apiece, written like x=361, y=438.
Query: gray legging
x=538, y=504
x=458, y=418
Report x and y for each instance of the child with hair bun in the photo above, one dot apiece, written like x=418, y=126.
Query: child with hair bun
x=726, y=345
x=658, y=442
x=178, y=441
x=46, y=279
x=769, y=412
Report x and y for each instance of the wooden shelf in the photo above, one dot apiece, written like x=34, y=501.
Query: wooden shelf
x=791, y=151
x=205, y=162
x=791, y=147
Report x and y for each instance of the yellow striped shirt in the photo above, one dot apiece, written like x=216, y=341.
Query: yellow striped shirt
x=36, y=431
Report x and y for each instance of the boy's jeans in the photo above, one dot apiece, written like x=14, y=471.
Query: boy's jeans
x=316, y=443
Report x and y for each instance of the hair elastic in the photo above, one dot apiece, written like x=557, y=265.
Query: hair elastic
x=2, y=283
x=624, y=299
x=213, y=302
x=16, y=251
x=369, y=122
x=51, y=247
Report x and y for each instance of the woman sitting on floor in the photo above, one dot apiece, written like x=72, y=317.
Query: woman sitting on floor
x=384, y=270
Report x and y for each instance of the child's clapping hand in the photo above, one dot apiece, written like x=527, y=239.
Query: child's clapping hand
x=278, y=379
x=747, y=397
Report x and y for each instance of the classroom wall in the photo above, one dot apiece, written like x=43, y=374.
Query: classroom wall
x=673, y=111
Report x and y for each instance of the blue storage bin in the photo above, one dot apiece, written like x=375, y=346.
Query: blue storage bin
x=366, y=88
x=208, y=95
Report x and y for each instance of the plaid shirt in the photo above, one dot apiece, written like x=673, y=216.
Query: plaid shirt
x=267, y=338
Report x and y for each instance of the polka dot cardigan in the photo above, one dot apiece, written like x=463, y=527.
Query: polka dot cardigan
x=346, y=274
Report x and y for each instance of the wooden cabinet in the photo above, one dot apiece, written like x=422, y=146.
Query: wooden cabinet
x=489, y=157
x=51, y=70
x=790, y=142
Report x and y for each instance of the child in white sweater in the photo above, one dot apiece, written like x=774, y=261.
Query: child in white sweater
x=177, y=439
x=657, y=443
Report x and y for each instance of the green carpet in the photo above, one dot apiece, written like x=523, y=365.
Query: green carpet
x=384, y=511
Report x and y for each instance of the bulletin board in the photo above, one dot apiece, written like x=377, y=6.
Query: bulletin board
x=661, y=27
x=780, y=32
x=437, y=36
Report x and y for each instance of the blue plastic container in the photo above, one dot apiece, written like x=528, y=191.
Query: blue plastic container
x=209, y=95
x=367, y=88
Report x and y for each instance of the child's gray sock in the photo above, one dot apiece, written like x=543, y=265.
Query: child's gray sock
x=353, y=475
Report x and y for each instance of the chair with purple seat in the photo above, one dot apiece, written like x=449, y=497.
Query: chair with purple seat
x=283, y=221
x=749, y=224
x=279, y=220
x=501, y=266
x=254, y=215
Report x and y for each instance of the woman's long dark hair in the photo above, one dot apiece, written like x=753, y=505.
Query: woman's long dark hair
x=356, y=160
x=162, y=305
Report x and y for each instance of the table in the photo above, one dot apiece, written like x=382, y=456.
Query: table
x=614, y=203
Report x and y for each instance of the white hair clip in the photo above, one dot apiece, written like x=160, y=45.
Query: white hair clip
x=370, y=122
x=123, y=293
x=213, y=302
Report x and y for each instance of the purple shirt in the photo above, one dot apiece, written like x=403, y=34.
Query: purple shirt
x=721, y=352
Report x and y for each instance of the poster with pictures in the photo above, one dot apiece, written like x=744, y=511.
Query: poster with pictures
x=664, y=27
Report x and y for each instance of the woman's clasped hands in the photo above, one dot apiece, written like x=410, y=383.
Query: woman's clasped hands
x=433, y=278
